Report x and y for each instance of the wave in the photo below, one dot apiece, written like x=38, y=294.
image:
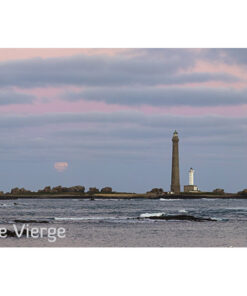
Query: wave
x=108, y=199
x=169, y=199
x=183, y=211
x=6, y=205
x=220, y=219
x=222, y=211
x=237, y=209
x=148, y=215
x=88, y=218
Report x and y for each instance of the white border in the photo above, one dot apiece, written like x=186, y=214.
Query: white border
x=128, y=23
x=123, y=23
x=124, y=272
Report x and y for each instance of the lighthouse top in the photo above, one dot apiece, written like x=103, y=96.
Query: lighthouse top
x=175, y=133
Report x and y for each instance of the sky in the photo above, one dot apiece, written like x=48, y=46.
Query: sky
x=105, y=117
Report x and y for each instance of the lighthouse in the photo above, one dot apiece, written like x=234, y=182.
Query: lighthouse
x=175, y=179
x=191, y=176
x=191, y=187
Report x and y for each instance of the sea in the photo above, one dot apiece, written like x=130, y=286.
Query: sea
x=127, y=223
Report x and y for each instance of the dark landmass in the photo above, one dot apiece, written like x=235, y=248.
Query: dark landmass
x=78, y=192
x=95, y=196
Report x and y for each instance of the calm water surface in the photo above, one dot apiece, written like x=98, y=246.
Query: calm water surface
x=114, y=223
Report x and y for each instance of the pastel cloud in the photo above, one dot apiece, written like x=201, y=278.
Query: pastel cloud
x=9, y=97
x=12, y=54
x=165, y=96
x=119, y=70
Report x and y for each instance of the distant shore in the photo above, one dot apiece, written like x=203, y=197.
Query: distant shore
x=123, y=196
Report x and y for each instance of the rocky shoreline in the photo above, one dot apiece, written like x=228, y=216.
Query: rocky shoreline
x=121, y=196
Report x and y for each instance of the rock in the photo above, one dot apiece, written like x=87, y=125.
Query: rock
x=218, y=191
x=93, y=190
x=59, y=189
x=30, y=221
x=243, y=192
x=17, y=190
x=106, y=190
x=156, y=191
x=77, y=188
x=179, y=217
x=47, y=189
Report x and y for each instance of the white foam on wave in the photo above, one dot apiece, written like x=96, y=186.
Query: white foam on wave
x=87, y=218
x=183, y=211
x=147, y=215
x=219, y=219
x=169, y=199
x=107, y=199
x=98, y=199
x=6, y=205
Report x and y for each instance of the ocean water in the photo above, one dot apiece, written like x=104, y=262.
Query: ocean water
x=126, y=223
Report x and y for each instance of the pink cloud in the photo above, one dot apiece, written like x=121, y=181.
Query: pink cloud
x=47, y=99
x=7, y=54
x=54, y=105
x=235, y=70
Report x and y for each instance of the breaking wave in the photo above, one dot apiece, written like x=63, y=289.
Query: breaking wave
x=148, y=215
x=88, y=218
x=183, y=211
x=169, y=199
x=6, y=205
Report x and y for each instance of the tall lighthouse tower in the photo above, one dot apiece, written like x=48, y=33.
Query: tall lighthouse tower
x=175, y=180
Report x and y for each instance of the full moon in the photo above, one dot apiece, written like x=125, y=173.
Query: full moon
x=61, y=166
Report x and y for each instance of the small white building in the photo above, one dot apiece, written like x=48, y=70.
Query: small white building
x=191, y=187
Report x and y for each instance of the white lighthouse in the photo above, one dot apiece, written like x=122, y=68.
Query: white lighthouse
x=191, y=187
x=191, y=176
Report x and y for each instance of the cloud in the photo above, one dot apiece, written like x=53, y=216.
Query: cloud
x=144, y=67
x=226, y=55
x=8, y=97
x=121, y=118
x=105, y=130
x=166, y=96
